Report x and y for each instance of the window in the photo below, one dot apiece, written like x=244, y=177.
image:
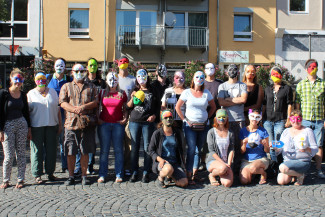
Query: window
x=242, y=27
x=298, y=6
x=125, y=26
x=19, y=19
x=79, y=23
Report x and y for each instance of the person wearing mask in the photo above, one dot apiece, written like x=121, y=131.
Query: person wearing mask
x=143, y=105
x=14, y=128
x=310, y=98
x=112, y=119
x=126, y=84
x=79, y=99
x=46, y=125
x=197, y=99
x=56, y=81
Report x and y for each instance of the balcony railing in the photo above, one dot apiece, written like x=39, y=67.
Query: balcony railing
x=160, y=36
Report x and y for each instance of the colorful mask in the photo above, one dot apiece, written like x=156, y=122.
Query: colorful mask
x=138, y=98
x=59, y=66
x=79, y=72
x=92, y=66
x=221, y=115
x=209, y=69
x=123, y=63
x=295, y=119
x=112, y=79
x=250, y=72
x=199, y=78
x=276, y=75
x=18, y=78
x=167, y=118
x=232, y=71
x=253, y=116
x=142, y=76
x=40, y=79
x=179, y=78
x=162, y=71
x=312, y=68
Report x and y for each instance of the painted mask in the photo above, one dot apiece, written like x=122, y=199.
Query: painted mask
x=123, y=63
x=221, y=116
x=138, y=98
x=312, y=68
x=142, y=76
x=112, y=79
x=179, y=78
x=40, y=79
x=199, y=78
x=79, y=72
x=162, y=71
x=59, y=66
x=209, y=69
x=92, y=66
x=18, y=78
x=167, y=118
x=232, y=71
x=250, y=72
x=253, y=140
x=276, y=75
x=295, y=119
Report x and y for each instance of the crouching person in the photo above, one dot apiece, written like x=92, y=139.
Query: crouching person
x=79, y=99
x=167, y=149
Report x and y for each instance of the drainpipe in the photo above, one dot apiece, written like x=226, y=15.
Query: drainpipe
x=39, y=29
x=218, y=32
x=104, y=66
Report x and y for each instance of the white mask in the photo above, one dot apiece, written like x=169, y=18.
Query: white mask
x=79, y=72
x=142, y=76
x=209, y=69
x=112, y=79
x=59, y=66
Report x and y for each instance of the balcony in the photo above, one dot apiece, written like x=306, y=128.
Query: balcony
x=161, y=36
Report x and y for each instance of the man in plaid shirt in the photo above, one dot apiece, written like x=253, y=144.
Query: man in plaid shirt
x=310, y=97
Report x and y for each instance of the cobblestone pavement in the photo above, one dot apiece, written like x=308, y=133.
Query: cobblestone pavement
x=139, y=199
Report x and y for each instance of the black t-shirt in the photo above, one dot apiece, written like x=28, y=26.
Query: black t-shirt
x=159, y=91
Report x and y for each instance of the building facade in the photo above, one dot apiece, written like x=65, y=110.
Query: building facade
x=25, y=17
x=300, y=35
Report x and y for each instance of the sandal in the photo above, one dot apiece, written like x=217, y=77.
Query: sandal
x=101, y=180
x=20, y=184
x=300, y=180
x=118, y=180
x=38, y=180
x=5, y=185
x=213, y=180
x=161, y=182
x=262, y=181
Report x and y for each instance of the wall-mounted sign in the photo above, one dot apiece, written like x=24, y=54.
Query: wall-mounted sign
x=234, y=56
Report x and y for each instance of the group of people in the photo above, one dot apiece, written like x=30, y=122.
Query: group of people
x=235, y=124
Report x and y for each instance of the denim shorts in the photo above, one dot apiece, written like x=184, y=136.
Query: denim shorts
x=178, y=171
x=297, y=165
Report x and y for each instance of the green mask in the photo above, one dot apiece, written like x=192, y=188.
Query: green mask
x=136, y=101
x=92, y=66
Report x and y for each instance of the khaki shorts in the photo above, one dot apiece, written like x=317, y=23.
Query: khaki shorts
x=246, y=163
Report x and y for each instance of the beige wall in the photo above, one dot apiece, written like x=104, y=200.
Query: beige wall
x=262, y=48
x=311, y=20
x=56, y=31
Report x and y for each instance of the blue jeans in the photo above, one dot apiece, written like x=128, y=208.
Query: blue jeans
x=274, y=129
x=318, y=128
x=195, y=141
x=111, y=133
x=135, y=129
x=64, y=163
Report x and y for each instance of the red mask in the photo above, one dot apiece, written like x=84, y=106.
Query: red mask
x=312, y=68
x=123, y=63
x=276, y=74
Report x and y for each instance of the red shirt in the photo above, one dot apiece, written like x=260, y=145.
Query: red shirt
x=112, y=104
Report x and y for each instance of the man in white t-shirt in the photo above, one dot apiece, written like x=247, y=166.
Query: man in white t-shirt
x=232, y=96
x=127, y=84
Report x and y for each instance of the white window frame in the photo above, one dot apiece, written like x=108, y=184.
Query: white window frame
x=13, y=22
x=79, y=29
x=244, y=33
x=299, y=12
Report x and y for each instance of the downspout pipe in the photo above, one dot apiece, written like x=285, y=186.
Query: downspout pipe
x=104, y=66
x=218, y=32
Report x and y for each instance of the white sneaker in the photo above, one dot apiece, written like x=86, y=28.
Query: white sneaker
x=320, y=174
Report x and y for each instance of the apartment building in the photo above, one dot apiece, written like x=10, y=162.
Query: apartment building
x=300, y=35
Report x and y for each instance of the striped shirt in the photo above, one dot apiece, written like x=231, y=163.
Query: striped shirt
x=311, y=97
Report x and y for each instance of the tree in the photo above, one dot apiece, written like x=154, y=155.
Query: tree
x=5, y=6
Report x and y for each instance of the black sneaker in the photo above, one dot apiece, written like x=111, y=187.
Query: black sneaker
x=85, y=181
x=70, y=181
x=134, y=177
x=202, y=167
x=145, y=178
